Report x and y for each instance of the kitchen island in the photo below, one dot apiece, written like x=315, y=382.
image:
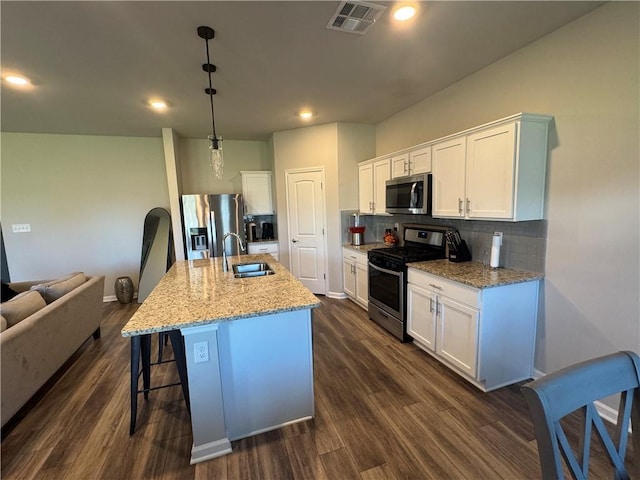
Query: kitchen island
x=248, y=345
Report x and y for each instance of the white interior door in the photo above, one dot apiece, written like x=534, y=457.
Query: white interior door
x=305, y=211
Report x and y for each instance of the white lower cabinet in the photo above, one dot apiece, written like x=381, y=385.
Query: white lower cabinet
x=485, y=335
x=356, y=276
x=264, y=247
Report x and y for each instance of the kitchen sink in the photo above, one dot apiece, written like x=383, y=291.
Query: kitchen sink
x=257, y=269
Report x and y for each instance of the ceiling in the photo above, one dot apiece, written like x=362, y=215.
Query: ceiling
x=95, y=64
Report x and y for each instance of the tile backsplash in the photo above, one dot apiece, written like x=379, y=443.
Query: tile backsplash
x=523, y=244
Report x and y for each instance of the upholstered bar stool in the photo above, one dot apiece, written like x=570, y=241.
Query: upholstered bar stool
x=141, y=353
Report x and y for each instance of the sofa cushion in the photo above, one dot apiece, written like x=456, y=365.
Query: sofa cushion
x=3, y=323
x=53, y=290
x=21, y=306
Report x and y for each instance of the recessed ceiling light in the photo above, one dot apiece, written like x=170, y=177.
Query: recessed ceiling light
x=306, y=114
x=17, y=80
x=404, y=12
x=157, y=104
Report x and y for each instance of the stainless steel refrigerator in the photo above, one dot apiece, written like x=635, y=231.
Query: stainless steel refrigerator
x=206, y=218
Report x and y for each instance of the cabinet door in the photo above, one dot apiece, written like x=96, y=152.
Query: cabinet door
x=256, y=190
x=491, y=172
x=362, y=284
x=449, y=177
x=349, y=275
x=400, y=165
x=421, y=324
x=458, y=335
x=420, y=160
x=365, y=188
x=381, y=173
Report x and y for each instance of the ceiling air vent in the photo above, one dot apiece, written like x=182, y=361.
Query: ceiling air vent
x=355, y=17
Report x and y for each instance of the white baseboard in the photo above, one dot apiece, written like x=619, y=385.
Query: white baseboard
x=113, y=298
x=338, y=295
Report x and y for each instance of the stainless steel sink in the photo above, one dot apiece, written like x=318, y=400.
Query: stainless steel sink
x=257, y=269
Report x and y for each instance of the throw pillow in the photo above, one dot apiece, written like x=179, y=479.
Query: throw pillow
x=7, y=292
x=3, y=324
x=53, y=290
x=21, y=306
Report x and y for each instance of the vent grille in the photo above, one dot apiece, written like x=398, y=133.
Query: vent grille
x=355, y=17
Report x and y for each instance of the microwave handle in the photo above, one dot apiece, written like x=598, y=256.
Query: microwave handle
x=414, y=200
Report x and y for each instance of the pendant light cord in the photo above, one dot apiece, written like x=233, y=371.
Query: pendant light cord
x=213, y=120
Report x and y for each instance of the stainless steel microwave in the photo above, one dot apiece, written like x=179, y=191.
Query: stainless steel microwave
x=411, y=195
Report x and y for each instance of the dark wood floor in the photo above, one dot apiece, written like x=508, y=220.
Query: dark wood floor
x=384, y=410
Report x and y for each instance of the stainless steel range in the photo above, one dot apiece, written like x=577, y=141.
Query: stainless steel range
x=388, y=274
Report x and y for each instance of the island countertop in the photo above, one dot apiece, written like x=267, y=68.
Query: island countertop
x=198, y=292
x=475, y=274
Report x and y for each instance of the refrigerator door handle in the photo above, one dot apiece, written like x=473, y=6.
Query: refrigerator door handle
x=213, y=240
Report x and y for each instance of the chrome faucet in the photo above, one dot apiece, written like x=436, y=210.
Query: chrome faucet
x=225, y=265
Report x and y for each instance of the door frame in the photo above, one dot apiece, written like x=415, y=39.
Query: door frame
x=292, y=171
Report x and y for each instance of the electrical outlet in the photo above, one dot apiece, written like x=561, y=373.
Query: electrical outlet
x=21, y=227
x=201, y=352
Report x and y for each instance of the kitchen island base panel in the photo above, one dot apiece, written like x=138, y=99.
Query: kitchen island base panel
x=266, y=364
x=258, y=377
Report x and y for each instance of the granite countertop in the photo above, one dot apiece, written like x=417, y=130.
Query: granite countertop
x=198, y=292
x=475, y=274
x=364, y=248
x=264, y=240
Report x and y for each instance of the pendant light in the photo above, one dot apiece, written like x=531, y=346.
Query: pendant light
x=215, y=142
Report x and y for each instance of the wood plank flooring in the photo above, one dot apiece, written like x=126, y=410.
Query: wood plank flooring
x=384, y=410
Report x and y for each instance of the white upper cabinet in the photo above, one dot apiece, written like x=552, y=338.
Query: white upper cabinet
x=449, y=177
x=400, y=166
x=411, y=162
x=420, y=160
x=256, y=190
x=493, y=172
x=372, y=177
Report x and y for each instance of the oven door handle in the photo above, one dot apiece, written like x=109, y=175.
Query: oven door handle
x=384, y=270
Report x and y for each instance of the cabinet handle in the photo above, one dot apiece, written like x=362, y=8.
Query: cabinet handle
x=407, y=167
x=459, y=205
x=437, y=287
x=437, y=309
x=373, y=206
x=431, y=305
x=468, y=205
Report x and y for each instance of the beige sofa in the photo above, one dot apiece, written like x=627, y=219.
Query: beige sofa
x=34, y=348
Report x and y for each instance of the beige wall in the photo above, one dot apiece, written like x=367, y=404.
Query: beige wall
x=334, y=147
x=585, y=75
x=86, y=197
x=238, y=156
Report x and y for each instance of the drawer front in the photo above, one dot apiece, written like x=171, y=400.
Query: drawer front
x=255, y=248
x=355, y=256
x=457, y=291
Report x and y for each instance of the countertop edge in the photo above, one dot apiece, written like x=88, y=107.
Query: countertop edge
x=201, y=323
x=475, y=274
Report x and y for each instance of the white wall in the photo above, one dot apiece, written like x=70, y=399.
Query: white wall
x=85, y=197
x=585, y=75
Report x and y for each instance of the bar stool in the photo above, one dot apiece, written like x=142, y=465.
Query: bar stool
x=141, y=349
